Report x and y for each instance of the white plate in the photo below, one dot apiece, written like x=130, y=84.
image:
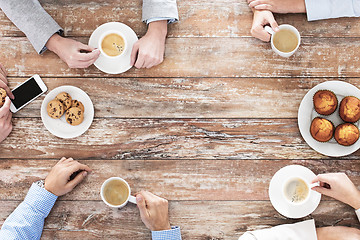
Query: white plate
x=118, y=65
x=307, y=113
x=276, y=196
x=59, y=127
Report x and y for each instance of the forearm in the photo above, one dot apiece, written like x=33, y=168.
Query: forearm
x=158, y=28
x=27, y=220
x=31, y=19
x=324, y=9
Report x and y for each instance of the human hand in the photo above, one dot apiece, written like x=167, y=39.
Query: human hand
x=154, y=211
x=279, y=6
x=5, y=120
x=75, y=54
x=262, y=18
x=4, y=81
x=58, y=181
x=338, y=186
x=149, y=50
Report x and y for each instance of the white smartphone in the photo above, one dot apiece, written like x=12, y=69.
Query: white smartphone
x=26, y=92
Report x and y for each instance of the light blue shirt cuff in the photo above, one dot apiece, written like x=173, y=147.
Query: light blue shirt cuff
x=172, y=234
x=170, y=20
x=325, y=9
x=40, y=199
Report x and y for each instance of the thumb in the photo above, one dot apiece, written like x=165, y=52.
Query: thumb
x=86, y=47
x=140, y=201
x=274, y=24
x=78, y=179
x=134, y=51
x=5, y=109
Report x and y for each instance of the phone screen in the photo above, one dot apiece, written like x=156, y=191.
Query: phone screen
x=26, y=92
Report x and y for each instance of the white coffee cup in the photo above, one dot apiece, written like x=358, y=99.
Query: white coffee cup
x=130, y=198
x=308, y=185
x=288, y=27
x=102, y=38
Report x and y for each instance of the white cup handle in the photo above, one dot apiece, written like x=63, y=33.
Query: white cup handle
x=132, y=199
x=269, y=30
x=317, y=184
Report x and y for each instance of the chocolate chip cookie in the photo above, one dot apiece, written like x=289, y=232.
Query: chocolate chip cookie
x=74, y=116
x=2, y=96
x=65, y=99
x=76, y=103
x=55, y=109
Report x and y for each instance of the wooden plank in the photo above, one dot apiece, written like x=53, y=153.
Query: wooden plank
x=204, y=57
x=164, y=139
x=197, y=219
x=186, y=97
x=220, y=18
x=175, y=180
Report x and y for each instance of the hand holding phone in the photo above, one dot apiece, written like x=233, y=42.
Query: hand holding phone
x=27, y=92
x=5, y=120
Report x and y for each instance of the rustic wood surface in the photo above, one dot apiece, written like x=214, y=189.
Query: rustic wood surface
x=207, y=129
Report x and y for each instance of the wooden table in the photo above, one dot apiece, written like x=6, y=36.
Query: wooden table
x=206, y=129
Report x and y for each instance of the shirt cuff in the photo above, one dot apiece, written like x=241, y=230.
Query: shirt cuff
x=358, y=213
x=172, y=234
x=40, y=199
x=60, y=32
x=170, y=20
x=317, y=9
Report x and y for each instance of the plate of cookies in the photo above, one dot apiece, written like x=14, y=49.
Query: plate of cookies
x=328, y=118
x=67, y=112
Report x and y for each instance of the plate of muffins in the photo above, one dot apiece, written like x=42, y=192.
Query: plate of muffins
x=67, y=112
x=328, y=118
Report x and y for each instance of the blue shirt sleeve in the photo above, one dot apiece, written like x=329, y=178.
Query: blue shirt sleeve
x=172, y=234
x=324, y=9
x=27, y=220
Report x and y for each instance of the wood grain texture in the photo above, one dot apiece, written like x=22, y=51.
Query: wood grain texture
x=175, y=180
x=220, y=18
x=187, y=97
x=207, y=129
x=164, y=139
x=204, y=57
x=201, y=220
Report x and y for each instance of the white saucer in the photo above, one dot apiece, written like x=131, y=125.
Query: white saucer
x=119, y=65
x=307, y=113
x=276, y=196
x=59, y=127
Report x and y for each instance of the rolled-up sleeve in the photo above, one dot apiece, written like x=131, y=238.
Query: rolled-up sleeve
x=32, y=20
x=324, y=9
x=159, y=9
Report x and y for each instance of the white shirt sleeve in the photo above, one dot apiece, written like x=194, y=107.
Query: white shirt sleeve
x=297, y=231
x=358, y=213
x=324, y=9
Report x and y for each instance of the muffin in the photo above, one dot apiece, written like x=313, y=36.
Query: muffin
x=2, y=96
x=321, y=129
x=65, y=99
x=325, y=102
x=349, y=110
x=346, y=134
